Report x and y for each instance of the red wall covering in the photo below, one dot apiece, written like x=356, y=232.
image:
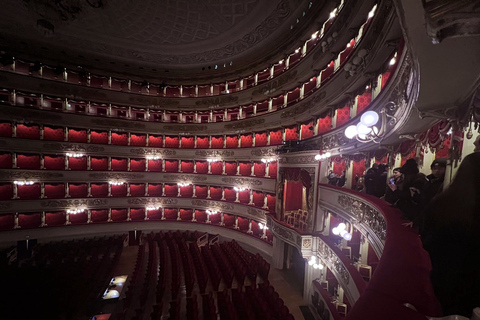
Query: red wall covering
x=54, y=190
x=138, y=140
x=188, y=142
x=137, y=189
x=99, y=190
x=137, y=214
x=55, y=134
x=99, y=164
x=155, y=141
x=55, y=218
x=54, y=163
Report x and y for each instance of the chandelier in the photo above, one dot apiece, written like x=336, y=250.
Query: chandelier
x=372, y=126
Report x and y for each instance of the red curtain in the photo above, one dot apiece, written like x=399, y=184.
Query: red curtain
x=54, y=163
x=201, y=192
x=78, y=218
x=242, y=224
x=186, y=192
x=215, y=193
x=154, y=214
x=244, y=196
x=291, y=134
x=119, y=214
x=258, y=199
x=99, y=215
x=171, y=190
x=200, y=215
x=230, y=194
x=119, y=190
x=271, y=202
x=343, y=115
x=275, y=137
x=272, y=170
x=358, y=170
x=363, y=101
x=5, y=160
x=293, y=193
x=186, y=214
x=338, y=165
x=99, y=164
x=170, y=214
x=307, y=130
x=229, y=220
x=324, y=124
x=6, y=191
x=7, y=222
x=6, y=130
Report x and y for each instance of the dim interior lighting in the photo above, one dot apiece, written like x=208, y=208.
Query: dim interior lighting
x=183, y=184
x=262, y=226
x=153, y=207
x=313, y=262
x=76, y=210
x=75, y=154
x=211, y=212
x=153, y=157
x=341, y=231
x=323, y=156
x=23, y=182
x=116, y=182
x=369, y=118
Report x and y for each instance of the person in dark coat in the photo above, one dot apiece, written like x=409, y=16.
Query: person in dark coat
x=380, y=182
x=434, y=181
x=342, y=180
x=450, y=233
x=395, y=181
x=369, y=179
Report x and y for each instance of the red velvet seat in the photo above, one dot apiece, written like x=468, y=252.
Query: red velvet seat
x=29, y=192
x=78, y=190
x=99, y=164
x=99, y=190
x=28, y=131
x=55, y=218
x=54, y=162
x=54, y=190
x=137, y=214
x=53, y=133
x=80, y=135
x=28, y=161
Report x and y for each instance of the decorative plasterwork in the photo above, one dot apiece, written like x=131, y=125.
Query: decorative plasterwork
x=272, y=85
x=115, y=176
x=256, y=213
x=214, y=204
x=186, y=177
x=217, y=101
x=27, y=175
x=304, y=106
x=364, y=214
x=113, y=123
x=242, y=181
x=184, y=128
x=145, y=151
x=214, y=153
x=264, y=152
x=73, y=203
x=301, y=159
x=333, y=261
x=149, y=201
x=52, y=146
x=285, y=234
x=244, y=124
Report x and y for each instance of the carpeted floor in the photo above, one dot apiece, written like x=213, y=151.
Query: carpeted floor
x=307, y=314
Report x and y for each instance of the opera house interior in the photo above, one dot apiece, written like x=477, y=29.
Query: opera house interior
x=209, y=159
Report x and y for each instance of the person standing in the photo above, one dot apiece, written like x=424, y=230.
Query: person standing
x=434, y=181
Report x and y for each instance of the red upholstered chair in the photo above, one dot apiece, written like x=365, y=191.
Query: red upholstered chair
x=244, y=196
x=343, y=115
x=260, y=139
x=187, y=166
x=202, y=142
x=231, y=168
x=77, y=163
x=216, y=193
x=171, y=142
x=55, y=218
x=170, y=214
x=137, y=189
x=54, y=190
x=99, y=164
x=78, y=190
x=5, y=160
x=155, y=165
x=53, y=133
x=155, y=141
x=79, y=135
x=245, y=168
x=54, y=162
x=78, y=218
x=259, y=169
x=201, y=192
x=7, y=221
x=324, y=124
x=275, y=137
x=272, y=170
x=137, y=164
x=99, y=190
x=99, y=215
x=119, y=164
x=139, y=140
x=243, y=224
x=186, y=214
x=217, y=142
x=28, y=131
x=100, y=137
x=5, y=129
x=363, y=101
x=327, y=72
x=188, y=142
x=171, y=190
x=155, y=189
x=229, y=220
x=154, y=214
x=202, y=166
x=119, y=214
x=200, y=215
x=230, y=194
x=271, y=202
x=28, y=161
x=258, y=199
x=29, y=220
x=119, y=139
x=119, y=190
x=6, y=191
x=291, y=134
x=307, y=130
x=171, y=165
x=137, y=214
x=232, y=142
x=246, y=141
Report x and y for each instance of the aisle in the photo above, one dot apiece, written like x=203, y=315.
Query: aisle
x=291, y=296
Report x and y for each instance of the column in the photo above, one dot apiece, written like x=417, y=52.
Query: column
x=253, y=139
x=178, y=214
x=284, y=133
x=239, y=144
x=180, y=166
x=240, y=112
x=236, y=196
x=146, y=165
x=209, y=167
x=163, y=213
x=235, y=226
x=223, y=193
x=194, y=191
x=163, y=136
x=265, y=201
x=89, y=216
x=65, y=134
x=221, y=219
x=163, y=190
x=147, y=136
x=89, y=162
x=15, y=191
x=43, y=224
x=268, y=137
x=16, y=226
x=225, y=115
x=66, y=162
x=42, y=129
x=264, y=234
x=129, y=135
x=89, y=135
x=146, y=189
x=109, y=215
x=42, y=190
x=208, y=219
x=67, y=190
x=270, y=105
x=195, y=163
x=251, y=198
x=180, y=138
x=250, y=226
x=223, y=169
x=128, y=164
x=14, y=130
x=109, y=164
x=310, y=275
x=178, y=191
x=67, y=218
x=163, y=165
x=193, y=216
x=195, y=139
x=278, y=253
x=146, y=215
x=128, y=189
x=89, y=190
x=267, y=169
x=128, y=215
x=208, y=192
x=109, y=136
x=210, y=142
x=224, y=141
x=252, y=168
x=109, y=190
x=238, y=168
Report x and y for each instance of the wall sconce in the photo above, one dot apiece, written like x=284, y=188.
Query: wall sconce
x=340, y=231
x=313, y=262
x=268, y=160
x=323, y=156
x=75, y=154
x=23, y=182
x=366, y=130
x=76, y=210
x=153, y=157
x=262, y=226
x=211, y=212
x=116, y=182
x=153, y=207
x=214, y=159
x=239, y=189
x=183, y=184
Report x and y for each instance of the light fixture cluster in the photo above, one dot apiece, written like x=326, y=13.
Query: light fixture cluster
x=341, y=231
x=75, y=154
x=365, y=130
x=153, y=157
x=153, y=207
x=239, y=189
x=323, y=156
x=372, y=12
x=116, y=182
x=214, y=159
x=76, y=210
x=268, y=160
x=262, y=226
x=23, y=182
x=183, y=184
x=313, y=262
x=211, y=212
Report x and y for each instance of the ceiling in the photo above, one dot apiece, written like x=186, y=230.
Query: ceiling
x=171, y=39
